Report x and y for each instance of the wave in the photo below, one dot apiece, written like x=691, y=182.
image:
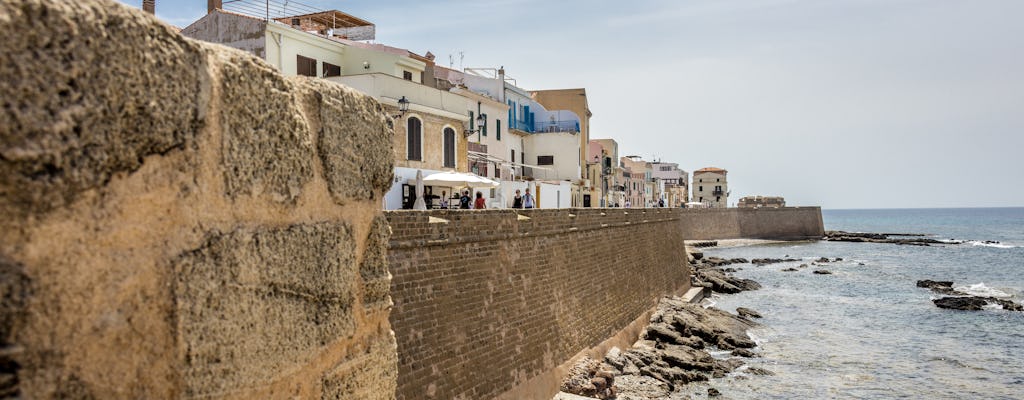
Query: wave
x=989, y=244
x=979, y=289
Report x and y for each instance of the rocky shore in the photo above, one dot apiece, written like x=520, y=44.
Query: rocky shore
x=672, y=352
x=674, y=348
x=906, y=239
x=957, y=300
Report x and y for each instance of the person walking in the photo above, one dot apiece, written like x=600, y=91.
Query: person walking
x=480, y=204
x=464, y=200
x=528, y=199
x=517, y=202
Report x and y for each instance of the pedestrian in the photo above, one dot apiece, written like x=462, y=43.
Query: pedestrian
x=444, y=199
x=480, y=204
x=661, y=203
x=517, y=202
x=464, y=200
x=528, y=199
x=627, y=203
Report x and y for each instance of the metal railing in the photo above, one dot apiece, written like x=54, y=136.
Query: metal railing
x=268, y=9
x=558, y=126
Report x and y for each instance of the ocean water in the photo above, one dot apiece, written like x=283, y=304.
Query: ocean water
x=866, y=331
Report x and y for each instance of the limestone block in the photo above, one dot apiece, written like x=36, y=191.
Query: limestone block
x=351, y=124
x=85, y=96
x=369, y=373
x=267, y=144
x=252, y=302
x=374, y=268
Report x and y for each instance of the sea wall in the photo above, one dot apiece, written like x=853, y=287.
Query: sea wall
x=178, y=220
x=787, y=223
x=490, y=301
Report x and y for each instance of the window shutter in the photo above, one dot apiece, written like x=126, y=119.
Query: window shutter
x=497, y=128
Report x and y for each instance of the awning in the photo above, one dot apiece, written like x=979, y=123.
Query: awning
x=458, y=179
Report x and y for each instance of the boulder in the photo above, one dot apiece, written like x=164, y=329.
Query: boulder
x=822, y=272
x=712, y=392
x=747, y=313
x=744, y=353
x=940, y=287
x=789, y=269
x=638, y=387
x=961, y=303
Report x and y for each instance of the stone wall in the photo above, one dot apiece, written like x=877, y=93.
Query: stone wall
x=787, y=223
x=488, y=301
x=177, y=220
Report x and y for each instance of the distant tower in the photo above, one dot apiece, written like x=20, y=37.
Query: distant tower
x=149, y=6
x=709, y=186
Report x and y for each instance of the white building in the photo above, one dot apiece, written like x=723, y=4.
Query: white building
x=711, y=187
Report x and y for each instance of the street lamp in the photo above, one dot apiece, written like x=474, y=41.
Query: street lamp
x=403, y=107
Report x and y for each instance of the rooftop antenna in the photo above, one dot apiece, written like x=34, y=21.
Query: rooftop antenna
x=462, y=56
x=451, y=61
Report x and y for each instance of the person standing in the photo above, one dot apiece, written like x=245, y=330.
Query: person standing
x=444, y=199
x=480, y=204
x=517, y=202
x=528, y=199
x=464, y=200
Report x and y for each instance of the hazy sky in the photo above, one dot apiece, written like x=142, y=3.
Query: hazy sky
x=839, y=103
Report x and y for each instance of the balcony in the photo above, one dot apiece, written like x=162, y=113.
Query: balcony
x=558, y=126
x=717, y=192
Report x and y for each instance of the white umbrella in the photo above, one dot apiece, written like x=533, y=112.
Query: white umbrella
x=420, y=204
x=458, y=179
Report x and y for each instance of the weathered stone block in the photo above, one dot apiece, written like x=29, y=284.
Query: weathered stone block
x=267, y=144
x=374, y=268
x=78, y=107
x=369, y=373
x=351, y=124
x=252, y=302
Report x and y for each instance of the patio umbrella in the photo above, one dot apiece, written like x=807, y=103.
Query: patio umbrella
x=420, y=204
x=458, y=180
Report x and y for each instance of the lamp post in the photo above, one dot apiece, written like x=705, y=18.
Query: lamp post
x=403, y=107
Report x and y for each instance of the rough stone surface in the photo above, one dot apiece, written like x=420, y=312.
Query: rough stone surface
x=167, y=226
x=270, y=317
x=70, y=114
x=267, y=149
x=350, y=125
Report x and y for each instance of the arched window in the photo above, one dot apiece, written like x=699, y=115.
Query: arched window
x=449, y=147
x=414, y=139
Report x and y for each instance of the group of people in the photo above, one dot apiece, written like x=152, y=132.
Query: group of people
x=466, y=203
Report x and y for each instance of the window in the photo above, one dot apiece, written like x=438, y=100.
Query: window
x=497, y=172
x=305, y=66
x=701, y=188
x=497, y=128
x=407, y=75
x=483, y=127
x=545, y=160
x=718, y=179
x=665, y=168
x=414, y=139
x=331, y=70
x=449, y=147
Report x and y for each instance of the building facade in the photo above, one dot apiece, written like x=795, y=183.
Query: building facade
x=711, y=187
x=762, y=202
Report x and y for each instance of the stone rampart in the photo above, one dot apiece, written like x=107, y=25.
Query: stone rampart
x=488, y=301
x=178, y=220
x=787, y=223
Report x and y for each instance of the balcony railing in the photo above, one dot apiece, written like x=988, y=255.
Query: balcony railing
x=558, y=126
x=547, y=126
x=717, y=192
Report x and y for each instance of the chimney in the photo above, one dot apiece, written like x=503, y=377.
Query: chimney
x=149, y=6
x=213, y=5
x=501, y=83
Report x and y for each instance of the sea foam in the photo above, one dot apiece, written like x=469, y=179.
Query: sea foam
x=990, y=244
x=979, y=289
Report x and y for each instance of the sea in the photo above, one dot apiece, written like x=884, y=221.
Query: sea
x=866, y=331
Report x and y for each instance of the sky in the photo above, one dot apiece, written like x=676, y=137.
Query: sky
x=839, y=103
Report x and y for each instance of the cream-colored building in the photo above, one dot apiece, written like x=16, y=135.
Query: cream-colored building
x=640, y=191
x=710, y=187
x=429, y=133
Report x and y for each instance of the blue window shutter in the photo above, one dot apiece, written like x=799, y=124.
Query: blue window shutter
x=497, y=128
x=471, y=121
